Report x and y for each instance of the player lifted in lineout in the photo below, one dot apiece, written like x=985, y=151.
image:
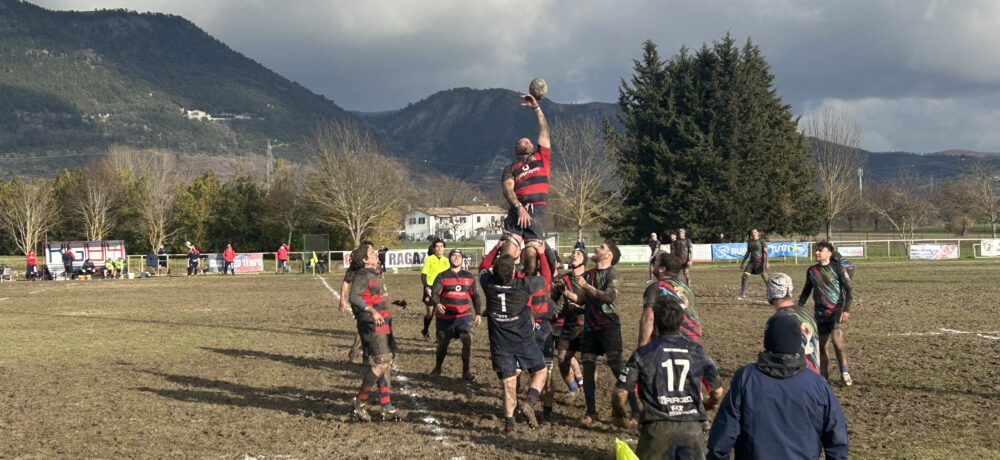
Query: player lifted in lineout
x=526, y=188
x=453, y=292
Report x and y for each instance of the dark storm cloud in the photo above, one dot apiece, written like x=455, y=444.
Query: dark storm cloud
x=919, y=75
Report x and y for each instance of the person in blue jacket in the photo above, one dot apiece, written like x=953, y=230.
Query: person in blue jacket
x=776, y=408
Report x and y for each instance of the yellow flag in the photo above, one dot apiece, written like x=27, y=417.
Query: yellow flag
x=623, y=451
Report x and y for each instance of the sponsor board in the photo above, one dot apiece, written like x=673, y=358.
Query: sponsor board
x=736, y=251
x=934, y=251
x=397, y=258
x=852, y=251
x=989, y=248
x=243, y=263
x=97, y=251
x=701, y=252
x=634, y=254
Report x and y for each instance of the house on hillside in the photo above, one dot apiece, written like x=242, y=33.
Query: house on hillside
x=456, y=223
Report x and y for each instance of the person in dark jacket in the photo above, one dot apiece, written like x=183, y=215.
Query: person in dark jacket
x=776, y=408
x=67, y=260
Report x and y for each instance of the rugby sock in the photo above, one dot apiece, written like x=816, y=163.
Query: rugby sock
x=466, y=358
x=427, y=325
x=843, y=368
x=533, y=395
x=590, y=386
x=442, y=351
x=384, y=399
x=573, y=385
x=363, y=395
x=743, y=286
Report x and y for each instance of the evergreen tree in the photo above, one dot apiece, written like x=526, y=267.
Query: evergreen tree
x=709, y=145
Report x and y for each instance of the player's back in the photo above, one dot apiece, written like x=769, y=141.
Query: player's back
x=507, y=309
x=672, y=368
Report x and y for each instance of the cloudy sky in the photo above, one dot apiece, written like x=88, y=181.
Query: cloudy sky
x=917, y=75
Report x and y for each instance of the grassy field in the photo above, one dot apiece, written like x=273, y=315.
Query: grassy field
x=254, y=366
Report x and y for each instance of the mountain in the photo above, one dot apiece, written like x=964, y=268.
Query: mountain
x=470, y=133
x=72, y=82
x=945, y=164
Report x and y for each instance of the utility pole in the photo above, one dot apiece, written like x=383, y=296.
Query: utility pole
x=861, y=186
x=270, y=164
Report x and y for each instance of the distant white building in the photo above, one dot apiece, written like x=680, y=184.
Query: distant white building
x=460, y=222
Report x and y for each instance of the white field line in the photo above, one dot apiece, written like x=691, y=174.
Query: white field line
x=992, y=335
x=40, y=290
x=4, y=298
x=421, y=408
x=332, y=291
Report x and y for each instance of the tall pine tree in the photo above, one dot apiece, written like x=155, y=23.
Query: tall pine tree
x=709, y=145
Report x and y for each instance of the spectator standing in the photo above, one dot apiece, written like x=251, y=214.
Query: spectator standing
x=162, y=252
x=282, y=256
x=67, y=260
x=228, y=257
x=193, y=259
x=776, y=408
x=31, y=262
x=382, y=252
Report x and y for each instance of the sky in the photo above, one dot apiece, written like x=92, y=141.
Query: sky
x=916, y=75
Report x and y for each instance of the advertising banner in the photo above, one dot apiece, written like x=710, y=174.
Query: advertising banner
x=701, y=252
x=397, y=258
x=934, y=251
x=97, y=251
x=633, y=254
x=852, y=251
x=243, y=263
x=736, y=251
x=989, y=248
x=728, y=251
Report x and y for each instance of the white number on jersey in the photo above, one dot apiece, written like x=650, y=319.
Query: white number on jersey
x=683, y=365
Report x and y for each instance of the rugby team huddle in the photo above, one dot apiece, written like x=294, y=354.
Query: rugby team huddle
x=540, y=320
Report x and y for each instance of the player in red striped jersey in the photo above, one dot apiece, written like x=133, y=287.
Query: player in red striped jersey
x=526, y=188
x=367, y=300
x=453, y=292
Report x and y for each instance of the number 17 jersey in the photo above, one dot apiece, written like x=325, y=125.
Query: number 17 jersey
x=669, y=371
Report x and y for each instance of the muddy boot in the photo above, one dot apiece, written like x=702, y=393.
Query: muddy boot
x=509, y=425
x=436, y=372
x=528, y=411
x=361, y=410
x=468, y=377
x=391, y=414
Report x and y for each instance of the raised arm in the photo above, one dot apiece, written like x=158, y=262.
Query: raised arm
x=487, y=262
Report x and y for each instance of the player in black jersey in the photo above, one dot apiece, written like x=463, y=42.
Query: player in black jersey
x=569, y=325
x=345, y=288
x=669, y=371
x=511, y=332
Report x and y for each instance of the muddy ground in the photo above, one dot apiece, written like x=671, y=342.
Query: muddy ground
x=254, y=367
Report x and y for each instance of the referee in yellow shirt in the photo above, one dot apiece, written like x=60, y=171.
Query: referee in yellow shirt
x=435, y=264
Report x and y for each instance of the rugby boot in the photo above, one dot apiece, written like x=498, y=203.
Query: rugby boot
x=361, y=410
x=391, y=414
x=528, y=411
x=468, y=377
x=436, y=372
x=846, y=378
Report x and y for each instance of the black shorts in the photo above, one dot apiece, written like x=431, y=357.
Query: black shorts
x=754, y=266
x=569, y=338
x=451, y=329
x=544, y=340
x=827, y=325
x=375, y=345
x=604, y=341
x=506, y=362
x=669, y=439
x=534, y=231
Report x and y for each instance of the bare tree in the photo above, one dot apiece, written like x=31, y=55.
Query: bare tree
x=986, y=192
x=584, y=180
x=838, y=159
x=901, y=204
x=355, y=187
x=27, y=210
x=96, y=196
x=284, y=204
x=955, y=201
x=155, y=175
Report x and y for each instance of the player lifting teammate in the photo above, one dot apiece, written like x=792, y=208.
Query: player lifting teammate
x=832, y=296
x=453, y=292
x=511, y=333
x=757, y=256
x=373, y=321
x=526, y=188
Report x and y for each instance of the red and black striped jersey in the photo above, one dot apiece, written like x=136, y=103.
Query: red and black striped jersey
x=368, y=290
x=570, y=313
x=531, y=177
x=456, y=291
